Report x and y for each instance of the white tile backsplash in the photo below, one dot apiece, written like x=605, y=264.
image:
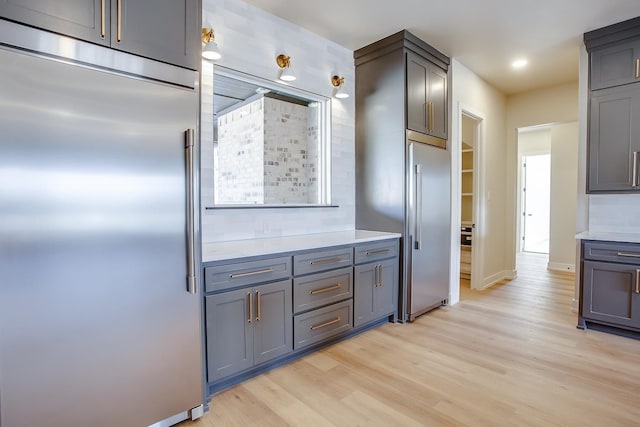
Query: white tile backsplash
x=250, y=39
x=616, y=213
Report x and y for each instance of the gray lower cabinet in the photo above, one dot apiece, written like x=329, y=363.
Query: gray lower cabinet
x=610, y=284
x=246, y=327
x=375, y=290
x=614, y=140
x=164, y=30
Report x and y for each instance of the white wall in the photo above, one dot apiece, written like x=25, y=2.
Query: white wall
x=558, y=104
x=250, y=39
x=473, y=95
x=564, y=181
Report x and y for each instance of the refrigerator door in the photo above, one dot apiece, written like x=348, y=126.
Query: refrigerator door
x=429, y=227
x=96, y=325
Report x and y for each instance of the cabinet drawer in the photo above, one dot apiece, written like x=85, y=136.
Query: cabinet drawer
x=321, y=289
x=626, y=253
x=320, y=324
x=376, y=251
x=322, y=260
x=229, y=276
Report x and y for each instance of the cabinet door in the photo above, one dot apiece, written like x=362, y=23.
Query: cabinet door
x=364, y=306
x=609, y=293
x=81, y=19
x=385, y=292
x=615, y=65
x=437, y=96
x=417, y=93
x=166, y=30
x=614, y=139
x=426, y=97
x=229, y=333
x=273, y=333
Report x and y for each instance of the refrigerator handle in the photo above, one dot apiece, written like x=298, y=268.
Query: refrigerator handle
x=418, y=206
x=191, y=240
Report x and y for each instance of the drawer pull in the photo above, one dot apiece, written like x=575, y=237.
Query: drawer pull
x=326, y=261
x=637, y=68
x=638, y=281
x=250, y=307
x=327, y=289
x=323, y=325
x=251, y=273
x=379, y=251
x=628, y=255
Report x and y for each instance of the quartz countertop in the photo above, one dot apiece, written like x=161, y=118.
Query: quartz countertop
x=221, y=251
x=609, y=236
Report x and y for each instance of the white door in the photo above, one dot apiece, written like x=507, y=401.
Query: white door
x=536, y=196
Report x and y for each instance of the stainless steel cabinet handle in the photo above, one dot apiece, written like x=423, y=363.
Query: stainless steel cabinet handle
x=259, y=300
x=251, y=273
x=637, y=68
x=327, y=289
x=635, y=170
x=191, y=237
x=418, y=199
x=103, y=22
x=323, y=325
x=326, y=261
x=624, y=254
x=119, y=23
x=638, y=281
x=375, y=276
x=379, y=251
x=380, y=267
x=250, y=318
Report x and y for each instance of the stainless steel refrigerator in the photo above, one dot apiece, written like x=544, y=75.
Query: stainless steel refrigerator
x=99, y=321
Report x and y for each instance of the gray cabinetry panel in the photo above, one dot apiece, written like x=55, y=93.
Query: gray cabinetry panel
x=321, y=324
x=615, y=65
x=624, y=253
x=322, y=260
x=246, y=327
x=229, y=276
x=322, y=289
x=426, y=97
x=614, y=140
x=81, y=19
x=165, y=30
x=609, y=293
x=229, y=333
x=273, y=322
x=375, y=291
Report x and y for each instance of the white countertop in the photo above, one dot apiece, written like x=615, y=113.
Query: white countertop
x=609, y=236
x=221, y=251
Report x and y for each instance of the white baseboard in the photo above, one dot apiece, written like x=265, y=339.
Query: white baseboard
x=497, y=277
x=559, y=266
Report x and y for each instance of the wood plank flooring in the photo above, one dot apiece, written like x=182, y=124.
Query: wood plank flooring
x=507, y=356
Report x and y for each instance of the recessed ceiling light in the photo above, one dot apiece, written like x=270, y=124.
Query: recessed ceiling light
x=519, y=63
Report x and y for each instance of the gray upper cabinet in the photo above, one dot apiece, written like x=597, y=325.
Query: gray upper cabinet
x=615, y=65
x=164, y=30
x=82, y=19
x=614, y=102
x=426, y=97
x=614, y=140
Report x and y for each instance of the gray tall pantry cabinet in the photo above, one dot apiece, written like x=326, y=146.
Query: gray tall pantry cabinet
x=401, y=115
x=613, y=152
x=147, y=28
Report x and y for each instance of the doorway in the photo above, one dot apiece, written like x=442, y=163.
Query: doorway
x=536, y=182
x=469, y=153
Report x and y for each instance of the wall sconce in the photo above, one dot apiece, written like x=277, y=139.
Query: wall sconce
x=286, y=73
x=338, y=83
x=210, y=47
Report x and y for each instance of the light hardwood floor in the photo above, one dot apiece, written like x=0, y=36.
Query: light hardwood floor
x=507, y=356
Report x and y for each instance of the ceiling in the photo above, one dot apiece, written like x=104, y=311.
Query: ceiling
x=484, y=35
